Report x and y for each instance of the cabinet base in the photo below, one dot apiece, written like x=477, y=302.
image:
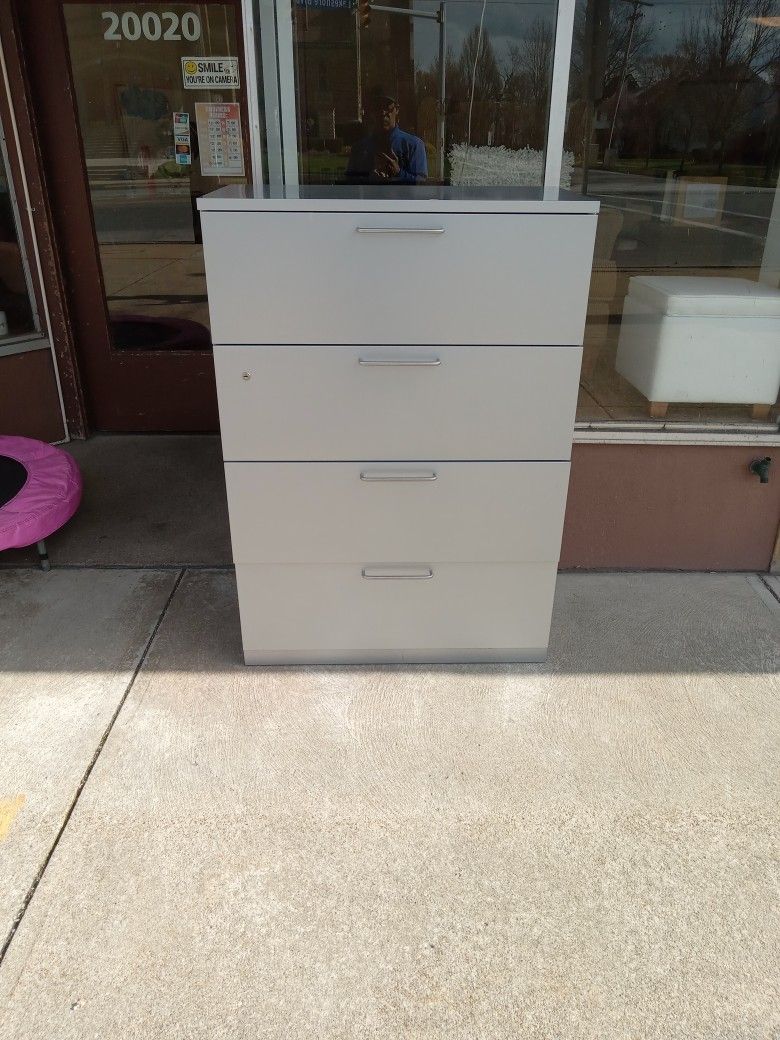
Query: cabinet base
x=502, y=655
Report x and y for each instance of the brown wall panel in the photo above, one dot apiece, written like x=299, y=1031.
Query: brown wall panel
x=29, y=403
x=670, y=508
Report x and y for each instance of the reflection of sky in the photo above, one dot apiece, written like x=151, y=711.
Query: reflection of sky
x=668, y=21
x=507, y=23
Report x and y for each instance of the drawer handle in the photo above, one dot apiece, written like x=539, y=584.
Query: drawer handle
x=400, y=230
x=401, y=362
x=409, y=574
x=383, y=476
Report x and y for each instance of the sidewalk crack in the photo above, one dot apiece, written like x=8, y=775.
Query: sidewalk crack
x=88, y=771
x=764, y=590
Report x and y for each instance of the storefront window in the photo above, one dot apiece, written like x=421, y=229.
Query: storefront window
x=674, y=123
x=17, y=317
x=407, y=93
x=159, y=90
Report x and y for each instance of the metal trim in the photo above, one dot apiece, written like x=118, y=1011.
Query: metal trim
x=652, y=433
x=559, y=93
x=400, y=230
x=378, y=574
x=266, y=11
x=288, y=110
x=406, y=477
x=380, y=362
x=251, y=81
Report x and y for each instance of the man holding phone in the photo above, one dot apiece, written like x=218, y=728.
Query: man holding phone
x=388, y=155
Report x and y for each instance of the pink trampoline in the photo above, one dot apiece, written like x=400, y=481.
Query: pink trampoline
x=40, y=490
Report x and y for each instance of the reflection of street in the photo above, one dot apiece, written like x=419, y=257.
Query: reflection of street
x=143, y=211
x=746, y=211
x=156, y=279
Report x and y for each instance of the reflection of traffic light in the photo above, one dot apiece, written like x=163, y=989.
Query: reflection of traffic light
x=364, y=13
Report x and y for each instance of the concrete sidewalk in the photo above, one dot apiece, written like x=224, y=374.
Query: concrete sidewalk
x=193, y=849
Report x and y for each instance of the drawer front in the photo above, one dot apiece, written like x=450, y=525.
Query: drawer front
x=323, y=613
x=336, y=512
x=397, y=278
x=333, y=403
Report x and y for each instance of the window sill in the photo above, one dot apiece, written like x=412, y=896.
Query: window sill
x=676, y=433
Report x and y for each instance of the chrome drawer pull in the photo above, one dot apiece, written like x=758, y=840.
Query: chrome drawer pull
x=382, y=476
x=400, y=362
x=400, y=230
x=378, y=574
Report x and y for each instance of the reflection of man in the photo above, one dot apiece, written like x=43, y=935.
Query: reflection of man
x=388, y=155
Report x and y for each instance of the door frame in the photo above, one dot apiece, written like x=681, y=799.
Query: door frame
x=35, y=227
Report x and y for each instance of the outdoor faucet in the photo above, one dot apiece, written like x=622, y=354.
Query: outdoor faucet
x=761, y=468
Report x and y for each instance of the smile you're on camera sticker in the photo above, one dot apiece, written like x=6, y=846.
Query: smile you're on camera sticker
x=203, y=73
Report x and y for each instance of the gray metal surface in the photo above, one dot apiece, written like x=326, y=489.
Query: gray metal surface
x=318, y=609
x=318, y=403
x=312, y=278
x=345, y=339
x=431, y=198
x=290, y=512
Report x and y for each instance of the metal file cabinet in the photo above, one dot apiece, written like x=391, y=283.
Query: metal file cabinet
x=397, y=376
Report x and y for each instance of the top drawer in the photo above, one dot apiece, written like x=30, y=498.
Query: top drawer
x=398, y=278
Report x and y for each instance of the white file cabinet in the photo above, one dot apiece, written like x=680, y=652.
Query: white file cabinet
x=397, y=379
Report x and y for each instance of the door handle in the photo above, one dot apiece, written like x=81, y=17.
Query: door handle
x=388, y=475
x=400, y=362
x=400, y=230
x=398, y=573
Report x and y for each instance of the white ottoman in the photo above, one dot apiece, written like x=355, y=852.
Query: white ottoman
x=703, y=340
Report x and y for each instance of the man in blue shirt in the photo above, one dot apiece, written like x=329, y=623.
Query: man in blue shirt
x=388, y=155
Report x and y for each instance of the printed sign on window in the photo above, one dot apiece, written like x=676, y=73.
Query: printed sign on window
x=219, y=139
x=204, y=73
x=181, y=138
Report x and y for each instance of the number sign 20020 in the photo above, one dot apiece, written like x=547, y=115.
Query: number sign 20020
x=151, y=26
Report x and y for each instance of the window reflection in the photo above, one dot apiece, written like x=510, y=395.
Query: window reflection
x=467, y=82
x=674, y=124
x=16, y=312
x=158, y=95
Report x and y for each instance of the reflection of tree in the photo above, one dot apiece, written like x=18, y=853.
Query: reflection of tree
x=601, y=33
x=609, y=42
x=527, y=82
x=726, y=53
x=477, y=61
x=511, y=100
x=717, y=82
x=654, y=108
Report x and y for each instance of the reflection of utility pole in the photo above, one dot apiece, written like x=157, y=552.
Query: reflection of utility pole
x=440, y=17
x=594, y=60
x=634, y=18
x=442, y=86
x=359, y=70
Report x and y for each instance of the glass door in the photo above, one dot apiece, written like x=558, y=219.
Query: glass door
x=160, y=101
x=157, y=91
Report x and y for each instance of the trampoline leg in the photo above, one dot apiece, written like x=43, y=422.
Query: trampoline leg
x=43, y=556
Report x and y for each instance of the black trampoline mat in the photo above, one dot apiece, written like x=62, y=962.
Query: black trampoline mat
x=13, y=477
